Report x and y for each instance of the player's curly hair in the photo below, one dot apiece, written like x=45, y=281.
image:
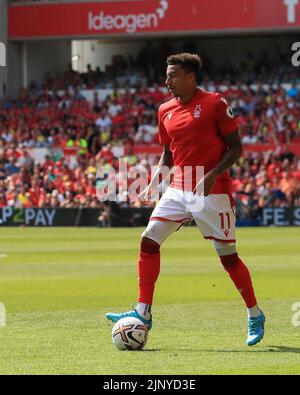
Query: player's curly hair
x=189, y=62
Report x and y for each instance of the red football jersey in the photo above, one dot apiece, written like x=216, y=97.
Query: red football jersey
x=195, y=132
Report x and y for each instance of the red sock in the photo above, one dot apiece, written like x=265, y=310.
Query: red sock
x=149, y=267
x=240, y=275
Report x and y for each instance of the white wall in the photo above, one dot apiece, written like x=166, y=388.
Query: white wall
x=99, y=53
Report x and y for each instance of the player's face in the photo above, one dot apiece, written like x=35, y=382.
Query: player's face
x=178, y=81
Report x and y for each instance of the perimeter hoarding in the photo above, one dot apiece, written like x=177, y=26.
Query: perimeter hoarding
x=48, y=217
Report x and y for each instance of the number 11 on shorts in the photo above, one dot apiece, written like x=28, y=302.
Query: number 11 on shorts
x=223, y=220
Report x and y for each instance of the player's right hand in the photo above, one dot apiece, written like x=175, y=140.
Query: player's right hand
x=145, y=197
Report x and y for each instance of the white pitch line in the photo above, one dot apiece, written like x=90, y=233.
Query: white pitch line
x=3, y=255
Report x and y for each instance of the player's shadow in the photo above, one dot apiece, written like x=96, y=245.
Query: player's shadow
x=286, y=349
x=268, y=349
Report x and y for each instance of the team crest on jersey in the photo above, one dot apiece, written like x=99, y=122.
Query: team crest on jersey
x=197, y=111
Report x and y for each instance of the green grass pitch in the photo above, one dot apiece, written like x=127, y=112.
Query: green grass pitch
x=57, y=285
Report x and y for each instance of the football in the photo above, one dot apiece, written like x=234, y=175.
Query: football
x=129, y=334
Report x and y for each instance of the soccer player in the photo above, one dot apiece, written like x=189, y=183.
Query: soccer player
x=198, y=131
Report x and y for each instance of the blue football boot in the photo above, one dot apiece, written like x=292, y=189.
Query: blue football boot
x=133, y=313
x=255, y=329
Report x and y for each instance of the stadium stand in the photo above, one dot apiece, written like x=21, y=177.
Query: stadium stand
x=56, y=116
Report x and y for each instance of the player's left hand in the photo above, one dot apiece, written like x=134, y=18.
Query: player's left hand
x=206, y=183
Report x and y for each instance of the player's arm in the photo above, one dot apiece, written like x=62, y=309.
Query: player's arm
x=233, y=153
x=166, y=158
x=164, y=167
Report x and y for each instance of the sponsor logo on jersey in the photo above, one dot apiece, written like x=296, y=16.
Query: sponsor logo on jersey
x=197, y=111
x=229, y=112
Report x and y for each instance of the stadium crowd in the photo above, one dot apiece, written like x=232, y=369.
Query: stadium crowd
x=55, y=116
